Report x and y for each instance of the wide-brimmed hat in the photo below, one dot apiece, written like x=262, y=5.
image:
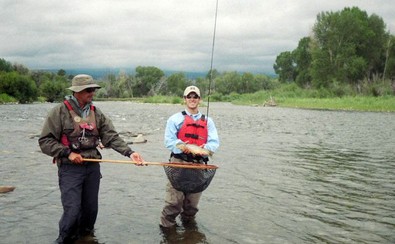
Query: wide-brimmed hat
x=82, y=82
x=191, y=89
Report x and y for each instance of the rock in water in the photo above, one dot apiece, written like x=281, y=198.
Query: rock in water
x=5, y=189
x=139, y=139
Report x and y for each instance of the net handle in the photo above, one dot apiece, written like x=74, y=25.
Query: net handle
x=171, y=164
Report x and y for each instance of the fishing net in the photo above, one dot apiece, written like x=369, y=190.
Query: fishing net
x=189, y=180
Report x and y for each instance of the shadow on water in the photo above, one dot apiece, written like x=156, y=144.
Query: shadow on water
x=188, y=233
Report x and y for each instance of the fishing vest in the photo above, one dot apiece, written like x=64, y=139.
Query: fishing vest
x=85, y=134
x=195, y=132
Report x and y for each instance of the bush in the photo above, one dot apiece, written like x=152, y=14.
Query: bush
x=216, y=97
x=375, y=88
x=21, y=87
x=163, y=99
x=341, y=89
x=5, y=98
x=176, y=100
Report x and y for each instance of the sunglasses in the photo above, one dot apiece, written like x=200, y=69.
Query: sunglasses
x=90, y=90
x=194, y=97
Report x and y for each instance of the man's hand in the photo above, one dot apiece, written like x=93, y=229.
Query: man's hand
x=101, y=146
x=137, y=159
x=76, y=158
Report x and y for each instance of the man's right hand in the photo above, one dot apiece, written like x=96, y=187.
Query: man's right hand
x=75, y=158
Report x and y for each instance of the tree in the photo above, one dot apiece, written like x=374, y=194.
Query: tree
x=111, y=86
x=176, y=84
x=248, y=84
x=228, y=82
x=61, y=72
x=264, y=82
x=20, y=68
x=147, y=77
x=5, y=65
x=285, y=67
x=212, y=74
x=53, y=90
x=389, y=66
x=21, y=87
x=124, y=85
x=373, y=49
x=39, y=77
x=347, y=46
x=203, y=85
x=302, y=58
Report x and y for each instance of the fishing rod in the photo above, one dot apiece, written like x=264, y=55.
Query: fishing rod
x=212, y=58
x=170, y=164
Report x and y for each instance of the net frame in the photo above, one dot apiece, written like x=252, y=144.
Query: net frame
x=189, y=180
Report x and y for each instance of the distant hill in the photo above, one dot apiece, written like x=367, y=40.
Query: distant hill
x=99, y=73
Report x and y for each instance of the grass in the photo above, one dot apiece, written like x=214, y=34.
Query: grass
x=151, y=99
x=351, y=103
x=163, y=99
x=294, y=99
x=4, y=99
x=374, y=104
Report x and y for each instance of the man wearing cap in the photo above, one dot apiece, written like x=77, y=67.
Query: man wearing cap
x=192, y=127
x=72, y=131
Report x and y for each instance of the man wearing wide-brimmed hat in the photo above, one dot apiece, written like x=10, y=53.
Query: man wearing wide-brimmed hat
x=83, y=88
x=81, y=82
x=72, y=132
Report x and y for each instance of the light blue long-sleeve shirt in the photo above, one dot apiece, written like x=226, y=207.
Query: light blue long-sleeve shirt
x=174, y=124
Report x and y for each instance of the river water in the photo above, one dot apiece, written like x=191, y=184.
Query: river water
x=285, y=176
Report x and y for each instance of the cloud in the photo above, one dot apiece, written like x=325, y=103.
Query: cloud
x=171, y=35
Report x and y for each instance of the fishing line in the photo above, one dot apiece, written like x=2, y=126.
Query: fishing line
x=212, y=59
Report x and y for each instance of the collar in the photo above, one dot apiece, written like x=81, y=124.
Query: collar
x=194, y=116
x=85, y=110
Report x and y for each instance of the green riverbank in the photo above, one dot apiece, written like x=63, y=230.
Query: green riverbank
x=358, y=103
x=349, y=103
x=373, y=104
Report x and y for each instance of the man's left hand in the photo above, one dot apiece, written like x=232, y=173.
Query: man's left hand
x=137, y=159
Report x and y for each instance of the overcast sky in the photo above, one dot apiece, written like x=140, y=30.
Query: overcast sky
x=169, y=34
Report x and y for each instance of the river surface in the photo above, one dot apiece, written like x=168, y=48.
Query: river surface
x=284, y=176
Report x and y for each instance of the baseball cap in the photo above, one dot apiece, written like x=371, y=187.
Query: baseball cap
x=190, y=89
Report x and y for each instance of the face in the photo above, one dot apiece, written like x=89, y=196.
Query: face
x=192, y=100
x=85, y=96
